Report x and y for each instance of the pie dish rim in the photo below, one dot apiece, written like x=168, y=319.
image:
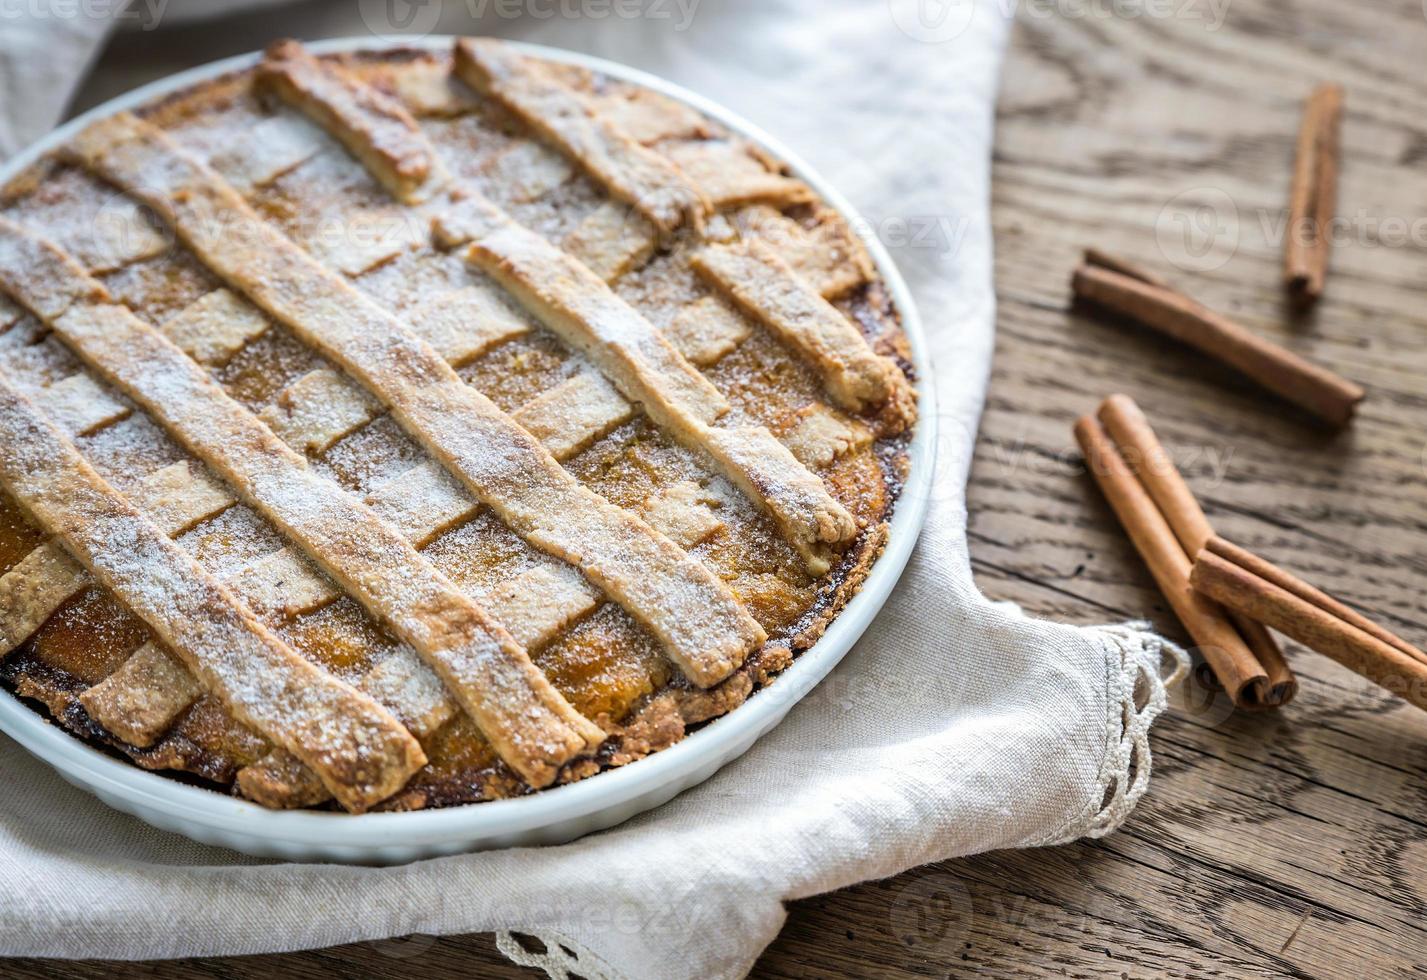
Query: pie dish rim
x=560, y=813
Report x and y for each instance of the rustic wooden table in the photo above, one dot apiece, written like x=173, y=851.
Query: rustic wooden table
x=1288, y=843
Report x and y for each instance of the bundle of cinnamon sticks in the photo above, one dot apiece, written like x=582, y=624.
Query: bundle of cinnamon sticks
x=1168, y=528
x=1224, y=595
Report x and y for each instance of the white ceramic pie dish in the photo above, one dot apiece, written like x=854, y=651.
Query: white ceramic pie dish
x=554, y=815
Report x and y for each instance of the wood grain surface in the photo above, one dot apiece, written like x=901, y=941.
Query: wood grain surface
x=1280, y=844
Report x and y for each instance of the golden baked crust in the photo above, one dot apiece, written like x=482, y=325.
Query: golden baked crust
x=629, y=440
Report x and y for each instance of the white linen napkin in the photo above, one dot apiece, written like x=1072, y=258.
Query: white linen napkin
x=43, y=54
x=955, y=726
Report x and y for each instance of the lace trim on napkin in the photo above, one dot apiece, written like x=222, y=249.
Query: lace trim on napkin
x=560, y=958
x=1148, y=665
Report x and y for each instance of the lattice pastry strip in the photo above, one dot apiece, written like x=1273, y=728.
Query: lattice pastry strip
x=629, y=171
x=142, y=700
x=819, y=435
x=428, y=88
x=534, y=605
x=30, y=592
x=318, y=409
x=79, y=404
x=214, y=327
x=764, y=469
x=48, y=290
x=423, y=502
x=467, y=216
x=732, y=172
x=420, y=503
x=611, y=240
x=371, y=124
x=180, y=496
x=526, y=171
x=539, y=603
x=762, y=284
x=33, y=358
x=829, y=258
x=582, y=310
x=284, y=584
x=649, y=117
x=139, y=701
x=277, y=586
x=464, y=323
x=359, y=751
x=527, y=722
x=175, y=498
x=321, y=407
x=692, y=613
x=707, y=329
x=574, y=413
x=685, y=512
x=117, y=235
x=363, y=237
x=273, y=147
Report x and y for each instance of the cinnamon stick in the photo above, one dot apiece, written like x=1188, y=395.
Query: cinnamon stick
x=1293, y=584
x=1313, y=197
x=1094, y=256
x=1313, y=388
x=1224, y=650
x=1315, y=627
x=1151, y=463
